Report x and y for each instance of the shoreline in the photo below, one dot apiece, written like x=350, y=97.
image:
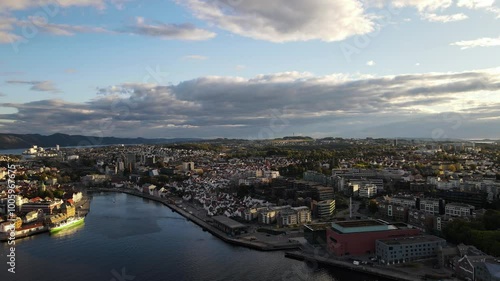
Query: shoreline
x=384, y=273
x=205, y=226
x=261, y=246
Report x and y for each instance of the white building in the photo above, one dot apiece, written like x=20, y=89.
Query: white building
x=458, y=210
x=408, y=202
x=368, y=191
x=429, y=206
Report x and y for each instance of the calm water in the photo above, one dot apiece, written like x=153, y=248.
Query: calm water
x=145, y=240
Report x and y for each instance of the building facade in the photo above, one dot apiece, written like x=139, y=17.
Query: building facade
x=401, y=250
x=358, y=237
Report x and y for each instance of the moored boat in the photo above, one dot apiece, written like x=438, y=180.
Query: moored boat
x=68, y=223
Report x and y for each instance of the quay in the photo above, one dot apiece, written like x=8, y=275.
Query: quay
x=254, y=244
x=384, y=273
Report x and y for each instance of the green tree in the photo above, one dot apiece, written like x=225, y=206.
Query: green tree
x=372, y=206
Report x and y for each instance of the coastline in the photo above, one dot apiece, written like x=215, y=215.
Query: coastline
x=255, y=245
x=296, y=253
x=393, y=275
x=84, y=204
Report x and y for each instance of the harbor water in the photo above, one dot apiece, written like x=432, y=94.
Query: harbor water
x=129, y=238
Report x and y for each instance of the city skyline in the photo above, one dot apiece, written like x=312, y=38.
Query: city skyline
x=251, y=69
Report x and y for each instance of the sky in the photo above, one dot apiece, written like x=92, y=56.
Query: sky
x=254, y=69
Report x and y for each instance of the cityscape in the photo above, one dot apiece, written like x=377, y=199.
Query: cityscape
x=221, y=140
x=399, y=209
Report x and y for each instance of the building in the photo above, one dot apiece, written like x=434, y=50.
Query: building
x=430, y=206
x=408, y=202
x=229, y=226
x=47, y=207
x=358, y=237
x=393, y=212
x=187, y=166
x=130, y=161
x=367, y=191
x=401, y=250
x=322, y=193
x=323, y=209
x=303, y=214
x=476, y=199
x=487, y=271
x=458, y=210
x=315, y=233
x=287, y=217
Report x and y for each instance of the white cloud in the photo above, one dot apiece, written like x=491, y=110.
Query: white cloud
x=195, y=57
x=6, y=27
x=444, y=18
x=52, y=5
x=423, y=5
x=285, y=20
x=481, y=42
x=370, y=63
x=475, y=4
x=40, y=86
x=60, y=29
x=487, y=5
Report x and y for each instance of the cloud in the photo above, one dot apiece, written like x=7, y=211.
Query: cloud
x=425, y=5
x=370, y=63
x=60, y=29
x=475, y=4
x=70, y=70
x=481, y=42
x=444, y=18
x=52, y=5
x=420, y=5
x=195, y=57
x=285, y=20
x=40, y=86
x=262, y=106
x=6, y=27
x=184, y=31
x=487, y=5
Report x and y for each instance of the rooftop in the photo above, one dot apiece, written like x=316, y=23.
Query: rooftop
x=317, y=226
x=357, y=226
x=228, y=222
x=412, y=240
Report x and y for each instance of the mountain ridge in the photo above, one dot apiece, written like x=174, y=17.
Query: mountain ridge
x=17, y=141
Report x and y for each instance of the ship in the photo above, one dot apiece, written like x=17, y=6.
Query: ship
x=73, y=221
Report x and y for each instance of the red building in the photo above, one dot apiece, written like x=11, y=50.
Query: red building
x=358, y=237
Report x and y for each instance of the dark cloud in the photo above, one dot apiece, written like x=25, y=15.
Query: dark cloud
x=184, y=31
x=274, y=105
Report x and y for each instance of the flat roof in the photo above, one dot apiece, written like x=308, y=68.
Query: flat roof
x=317, y=226
x=411, y=240
x=359, y=223
x=359, y=226
x=228, y=222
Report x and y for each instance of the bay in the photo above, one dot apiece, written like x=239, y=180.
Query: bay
x=129, y=238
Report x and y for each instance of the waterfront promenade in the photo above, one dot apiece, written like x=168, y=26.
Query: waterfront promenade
x=261, y=245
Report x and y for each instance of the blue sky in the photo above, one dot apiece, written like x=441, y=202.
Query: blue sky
x=237, y=68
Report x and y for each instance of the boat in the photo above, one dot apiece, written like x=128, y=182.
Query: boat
x=68, y=223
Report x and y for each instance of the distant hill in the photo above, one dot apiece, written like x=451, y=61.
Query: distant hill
x=13, y=141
